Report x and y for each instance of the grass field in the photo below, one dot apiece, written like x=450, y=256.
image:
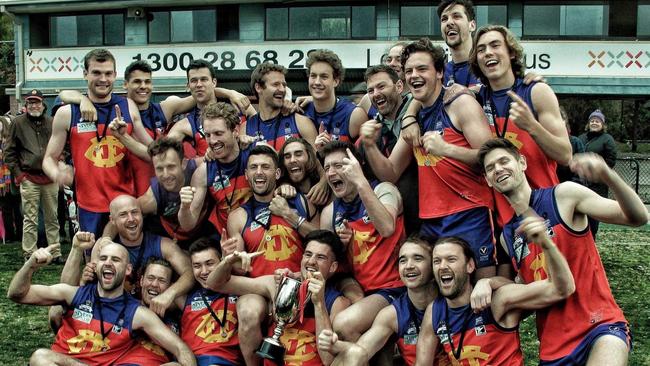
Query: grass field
x=625, y=254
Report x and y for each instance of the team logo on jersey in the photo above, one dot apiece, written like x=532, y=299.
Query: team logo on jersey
x=153, y=348
x=279, y=243
x=300, y=346
x=82, y=316
x=472, y=354
x=520, y=248
x=363, y=245
x=105, y=153
x=425, y=159
x=210, y=331
x=538, y=266
x=85, y=337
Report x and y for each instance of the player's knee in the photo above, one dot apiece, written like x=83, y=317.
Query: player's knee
x=608, y=350
x=344, y=324
x=41, y=356
x=250, y=314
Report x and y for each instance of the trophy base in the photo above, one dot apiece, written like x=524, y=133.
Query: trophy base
x=271, y=350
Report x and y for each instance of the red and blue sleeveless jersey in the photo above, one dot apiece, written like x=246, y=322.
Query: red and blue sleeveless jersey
x=228, y=186
x=336, y=121
x=373, y=257
x=80, y=335
x=197, y=140
x=274, y=131
x=206, y=336
x=541, y=170
x=460, y=73
x=102, y=165
x=409, y=320
x=168, y=204
x=155, y=123
x=485, y=342
x=138, y=257
x=145, y=352
x=281, y=243
x=299, y=339
x=562, y=326
x=447, y=186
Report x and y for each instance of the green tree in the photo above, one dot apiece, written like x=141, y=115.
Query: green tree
x=6, y=28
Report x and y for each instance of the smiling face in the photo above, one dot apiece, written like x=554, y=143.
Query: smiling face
x=493, y=56
x=384, y=94
x=451, y=270
x=296, y=159
x=318, y=257
x=595, y=125
x=139, y=87
x=155, y=280
x=35, y=107
x=455, y=27
x=504, y=171
x=274, y=90
x=321, y=81
x=127, y=218
x=220, y=138
x=168, y=167
x=201, y=85
x=112, y=267
x=204, y=263
x=333, y=164
x=422, y=77
x=414, y=265
x=394, y=60
x=262, y=174
x=100, y=77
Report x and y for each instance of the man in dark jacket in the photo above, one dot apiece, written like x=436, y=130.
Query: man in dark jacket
x=28, y=139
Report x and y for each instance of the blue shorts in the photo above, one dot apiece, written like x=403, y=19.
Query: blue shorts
x=389, y=294
x=473, y=225
x=207, y=360
x=580, y=354
x=93, y=222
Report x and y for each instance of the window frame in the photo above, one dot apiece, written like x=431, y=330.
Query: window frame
x=602, y=3
x=52, y=34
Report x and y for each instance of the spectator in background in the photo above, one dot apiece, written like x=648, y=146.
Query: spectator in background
x=9, y=195
x=24, y=153
x=565, y=174
x=598, y=141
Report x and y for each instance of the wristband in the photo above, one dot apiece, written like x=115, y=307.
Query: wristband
x=410, y=116
x=408, y=125
x=301, y=220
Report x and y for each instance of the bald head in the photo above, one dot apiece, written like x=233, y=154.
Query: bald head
x=127, y=218
x=114, y=249
x=120, y=201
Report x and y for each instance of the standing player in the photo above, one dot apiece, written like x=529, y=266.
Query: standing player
x=454, y=199
x=526, y=114
x=269, y=125
x=589, y=327
x=101, y=165
x=457, y=23
x=369, y=220
x=336, y=119
x=98, y=328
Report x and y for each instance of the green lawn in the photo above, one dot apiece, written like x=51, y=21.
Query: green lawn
x=625, y=254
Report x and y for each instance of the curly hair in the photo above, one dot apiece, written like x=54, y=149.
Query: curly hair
x=330, y=58
x=514, y=48
x=438, y=55
x=257, y=76
x=221, y=110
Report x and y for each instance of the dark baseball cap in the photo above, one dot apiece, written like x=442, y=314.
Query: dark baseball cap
x=34, y=94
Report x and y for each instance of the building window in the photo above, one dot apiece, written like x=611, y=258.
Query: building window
x=325, y=22
x=187, y=26
x=642, y=23
x=87, y=30
x=565, y=20
x=491, y=14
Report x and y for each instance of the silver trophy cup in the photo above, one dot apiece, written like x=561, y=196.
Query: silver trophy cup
x=286, y=308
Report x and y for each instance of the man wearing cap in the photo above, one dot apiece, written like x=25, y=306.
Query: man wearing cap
x=29, y=135
x=598, y=141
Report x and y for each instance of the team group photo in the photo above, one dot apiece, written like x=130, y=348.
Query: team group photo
x=423, y=200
